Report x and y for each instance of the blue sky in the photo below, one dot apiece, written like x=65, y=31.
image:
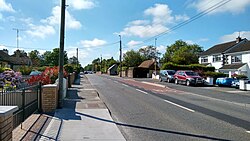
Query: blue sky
x=93, y=25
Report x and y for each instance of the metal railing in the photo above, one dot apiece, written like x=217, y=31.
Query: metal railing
x=27, y=99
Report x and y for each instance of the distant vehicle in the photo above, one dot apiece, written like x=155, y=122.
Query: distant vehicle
x=167, y=75
x=188, y=78
x=224, y=81
x=35, y=73
x=235, y=83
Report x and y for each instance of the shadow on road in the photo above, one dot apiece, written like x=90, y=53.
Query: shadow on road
x=154, y=129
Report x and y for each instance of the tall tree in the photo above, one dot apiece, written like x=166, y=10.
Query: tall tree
x=35, y=58
x=132, y=58
x=52, y=58
x=73, y=60
x=149, y=52
x=182, y=53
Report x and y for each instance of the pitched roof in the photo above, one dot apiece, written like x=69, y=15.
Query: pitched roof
x=20, y=60
x=4, y=56
x=232, y=66
x=220, y=48
x=244, y=46
x=146, y=64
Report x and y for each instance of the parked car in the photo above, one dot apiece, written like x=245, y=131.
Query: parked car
x=167, y=75
x=188, y=77
x=224, y=81
x=235, y=83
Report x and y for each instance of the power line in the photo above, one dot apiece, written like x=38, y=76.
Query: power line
x=199, y=15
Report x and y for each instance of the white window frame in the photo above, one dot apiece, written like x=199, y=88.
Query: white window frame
x=204, y=59
x=236, y=59
x=217, y=58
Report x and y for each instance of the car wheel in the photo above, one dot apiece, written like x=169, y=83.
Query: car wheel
x=188, y=83
x=168, y=80
x=176, y=81
x=160, y=79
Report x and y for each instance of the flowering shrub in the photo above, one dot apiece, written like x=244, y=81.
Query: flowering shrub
x=10, y=80
x=49, y=76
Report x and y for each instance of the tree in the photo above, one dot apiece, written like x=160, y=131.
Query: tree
x=132, y=58
x=149, y=52
x=73, y=60
x=182, y=53
x=35, y=58
x=52, y=58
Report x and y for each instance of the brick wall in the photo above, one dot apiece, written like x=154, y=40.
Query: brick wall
x=6, y=127
x=49, y=98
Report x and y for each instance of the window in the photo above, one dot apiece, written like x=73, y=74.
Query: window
x=236, y=59
x=216, y=58
x=204, y=59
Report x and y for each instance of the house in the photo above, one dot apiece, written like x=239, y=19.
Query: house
x=113, y=69
x=4, y=58
x=14, y=61
x=146, y=68
x=230, y=57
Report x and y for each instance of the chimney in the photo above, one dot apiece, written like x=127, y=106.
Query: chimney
x=238, y=39
x=6, y=51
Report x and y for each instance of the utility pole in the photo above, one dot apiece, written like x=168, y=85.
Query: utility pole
x=17, y=36
x=61, y=54
x=120, y=55
x=77, y=62
x=101, y=65
x=155, y=56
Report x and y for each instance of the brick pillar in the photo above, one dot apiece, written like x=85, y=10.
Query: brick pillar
x=49, y=98
x=6, y=122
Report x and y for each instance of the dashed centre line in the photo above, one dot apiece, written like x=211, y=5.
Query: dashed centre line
x=248, y=132
x=125, y=85
x=185, y=108
x=141, y=91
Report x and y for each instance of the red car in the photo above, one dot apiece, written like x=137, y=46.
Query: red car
x=188, y=77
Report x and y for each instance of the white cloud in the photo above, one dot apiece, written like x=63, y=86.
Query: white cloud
x=70, y=21
x=82, y=4
x=161, y=49
x=234, y=6
x=92, y=43
x=6, y=6
x=189, y=41
x=161, y=16
x=133, y=43
x=233, y=36
x=40, y=31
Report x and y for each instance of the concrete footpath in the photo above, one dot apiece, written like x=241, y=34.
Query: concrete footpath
x=83, y=117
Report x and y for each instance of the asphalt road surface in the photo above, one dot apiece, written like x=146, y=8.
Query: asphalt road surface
x=145, y=112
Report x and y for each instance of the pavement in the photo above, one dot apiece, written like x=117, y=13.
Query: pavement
x=83, y=117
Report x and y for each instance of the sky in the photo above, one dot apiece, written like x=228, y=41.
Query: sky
x=94, y=26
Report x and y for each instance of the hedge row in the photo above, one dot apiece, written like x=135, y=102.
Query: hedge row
x=194, y=67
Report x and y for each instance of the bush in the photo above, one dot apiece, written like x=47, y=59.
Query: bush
x=69, y=68
x=25, y=70
x=10, y=80
x=194, y=67
x=240, y=76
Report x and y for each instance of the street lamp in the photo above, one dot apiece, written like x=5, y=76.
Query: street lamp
x=155, y=56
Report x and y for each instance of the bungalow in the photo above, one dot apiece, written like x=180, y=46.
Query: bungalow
x=230, y=57
x=14, y=61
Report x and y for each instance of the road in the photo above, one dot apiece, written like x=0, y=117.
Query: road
x=150, y=112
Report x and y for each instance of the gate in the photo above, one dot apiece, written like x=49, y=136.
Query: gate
x=27, y=99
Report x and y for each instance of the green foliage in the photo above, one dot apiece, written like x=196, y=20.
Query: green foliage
x=25, y=70
x=194, y=67
x=41, y=69
x=182, y=53
x=1, y=69
x=52, y=58
x=149, y=52
x=215, y=75
x=240, y=76
x=132, y=59
x=69, y=68
x=35, y=58
x=88, y=67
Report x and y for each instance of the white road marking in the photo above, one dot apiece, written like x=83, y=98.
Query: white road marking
x=154, y=84
x=248, y=132
x=190, y=110
x=142, y=91
x=125, y=85
x=116, y=81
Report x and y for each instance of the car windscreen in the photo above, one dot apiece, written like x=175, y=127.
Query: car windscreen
x=190, y=73
x=171, y=72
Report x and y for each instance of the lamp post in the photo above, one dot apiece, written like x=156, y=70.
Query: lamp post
x=120, y=55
